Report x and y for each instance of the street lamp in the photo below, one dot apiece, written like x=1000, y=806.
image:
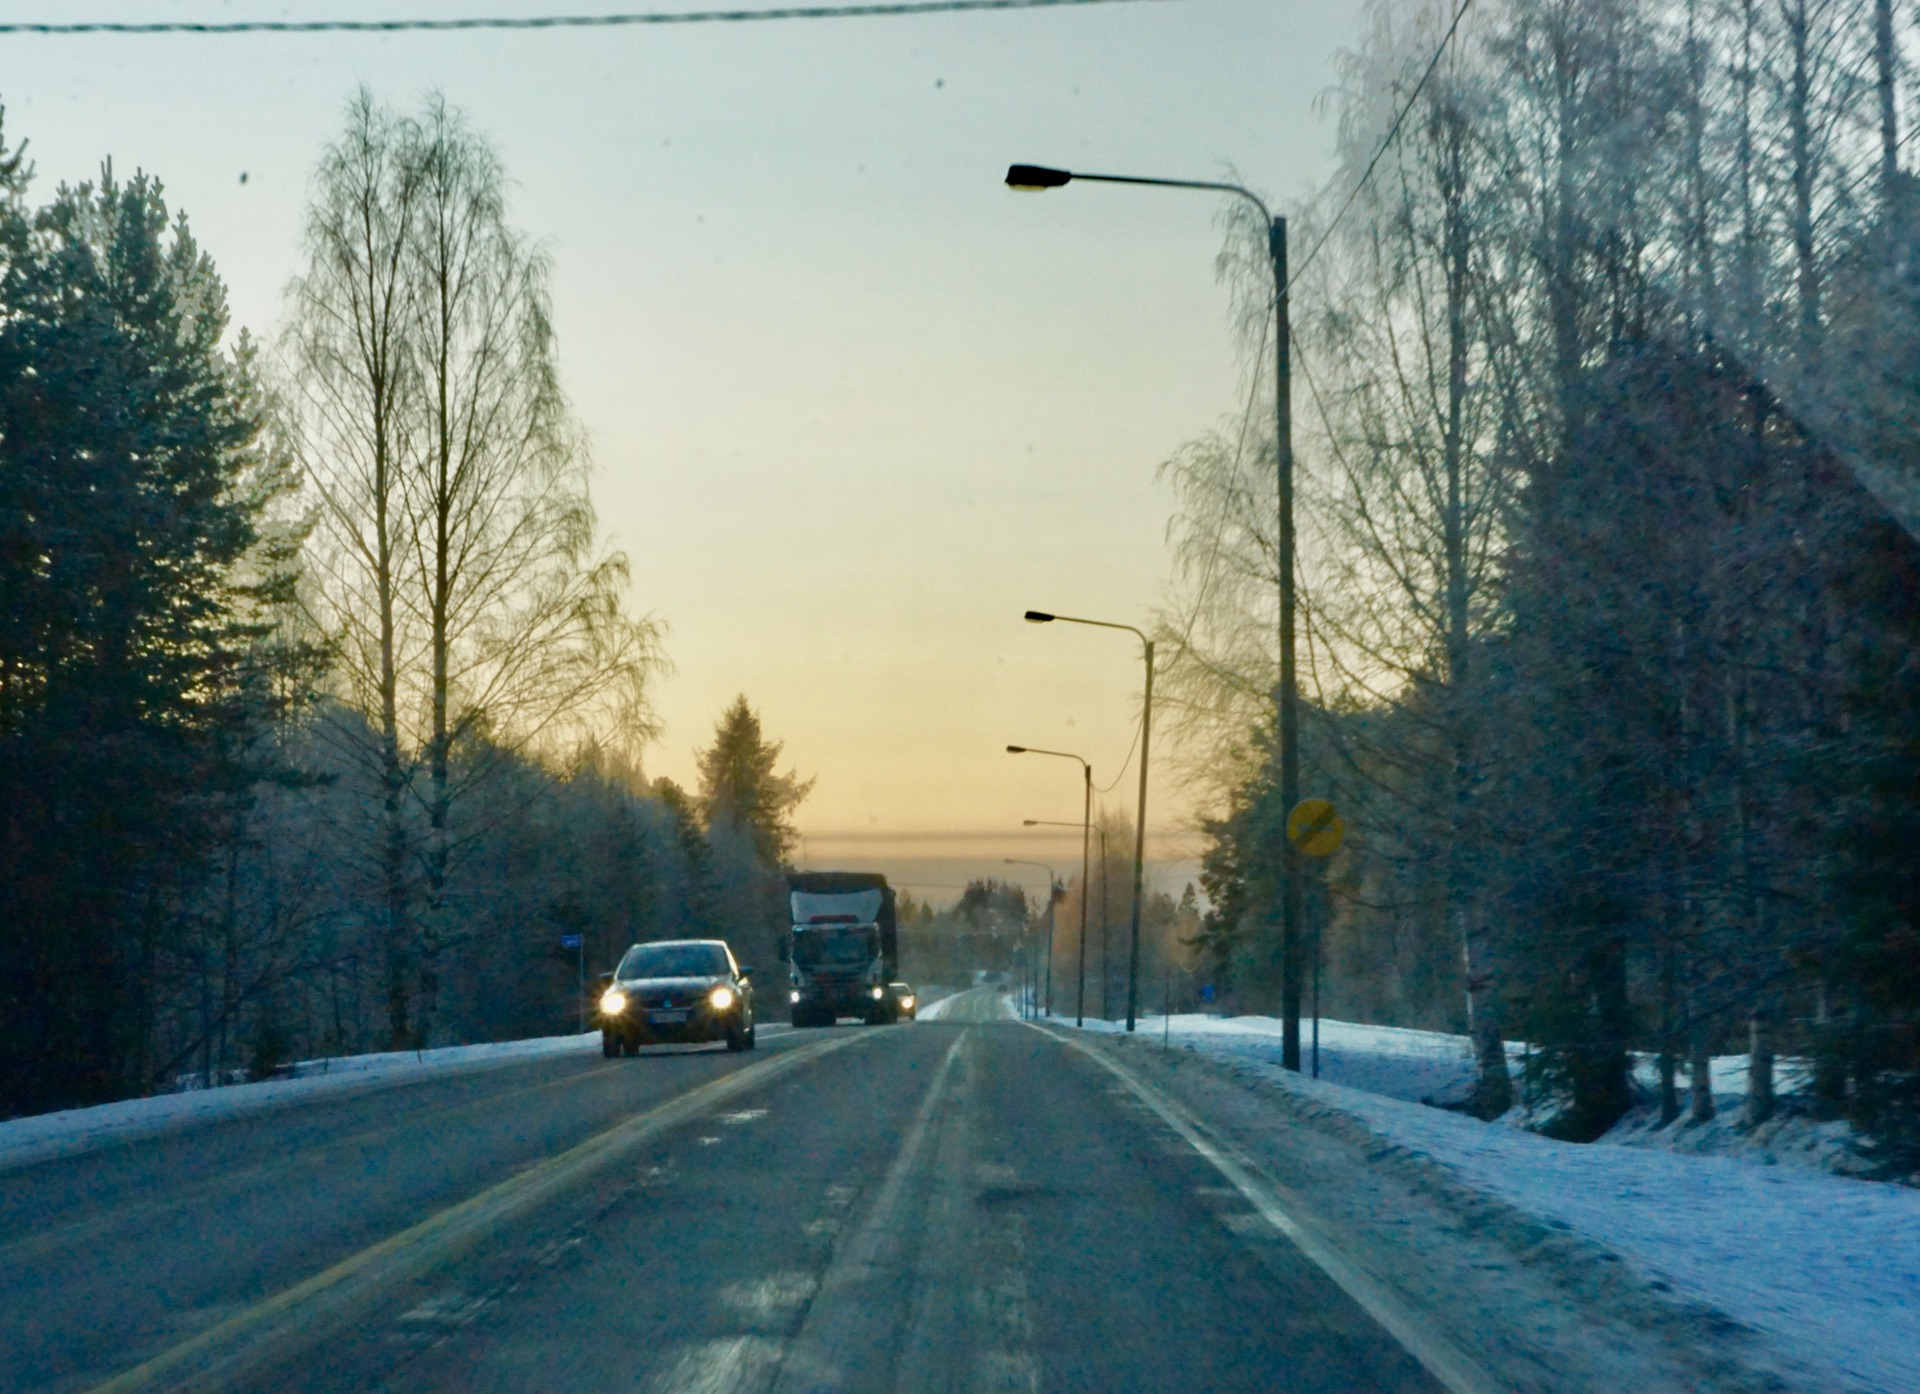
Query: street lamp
x=1037, y=177
x=1053, y=894
x=1086, y=825
x=1140, y=829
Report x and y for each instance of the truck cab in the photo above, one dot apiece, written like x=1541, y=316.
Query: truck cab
x=842, y=948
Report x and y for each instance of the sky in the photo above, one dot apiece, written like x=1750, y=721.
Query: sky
x=854, y=405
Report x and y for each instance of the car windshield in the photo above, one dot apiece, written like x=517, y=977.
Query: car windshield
x=673, y=961
x=1338, y=579
x=854, y=946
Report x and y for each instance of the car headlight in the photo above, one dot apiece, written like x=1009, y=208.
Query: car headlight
x=878, y=993
x=613, y=1002
x=720, y=998
x=795, y=994
x=906, y=1003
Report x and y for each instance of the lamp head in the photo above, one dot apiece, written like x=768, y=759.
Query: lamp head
x=1016, y=750
x=1039, y=617
x=1033, y=178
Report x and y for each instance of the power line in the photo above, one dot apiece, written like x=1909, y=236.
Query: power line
x=1386, y=143
x=606, y=21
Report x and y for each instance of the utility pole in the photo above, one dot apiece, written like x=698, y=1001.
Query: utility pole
x=1036, y=177
x=1140, y=845
x=1289, y=675
x=1086, y=825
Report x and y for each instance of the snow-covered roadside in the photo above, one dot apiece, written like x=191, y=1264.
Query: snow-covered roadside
x=1432, y=1067
x=24, y=1140
x=934, y=1002
x=1827, y=1267
x=1418, y=1066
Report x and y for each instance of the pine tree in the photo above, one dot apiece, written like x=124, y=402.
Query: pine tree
x=134, y=572
x=741, y=791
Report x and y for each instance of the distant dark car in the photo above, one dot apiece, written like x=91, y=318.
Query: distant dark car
x=678, y=990
x=906, y=1003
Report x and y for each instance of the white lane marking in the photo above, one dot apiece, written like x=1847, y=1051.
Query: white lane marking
x=239, y=1349
x=1453, y=1368
x=742, y=1115
x=1007, y=1372
x=836, y=1311
x=771, y=1297
x=717, y=1367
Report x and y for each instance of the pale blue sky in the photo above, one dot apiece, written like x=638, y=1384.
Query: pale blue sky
x=854, y=405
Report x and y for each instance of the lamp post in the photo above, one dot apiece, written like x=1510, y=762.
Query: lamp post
x=1053, y=894
x=1086, y=825
x=1140, y=824
x=1036, y=177
x=1106, y=937
x=1061, y=894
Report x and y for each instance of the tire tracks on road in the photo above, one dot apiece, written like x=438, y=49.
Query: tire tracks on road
x=250, y=1343
x=43, y=1241
x=1283, y=1212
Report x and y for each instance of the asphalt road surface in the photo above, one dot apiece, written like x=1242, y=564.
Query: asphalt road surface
x=966, y=1204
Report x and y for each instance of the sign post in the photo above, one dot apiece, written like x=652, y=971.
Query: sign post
x=1315, y=830
x=578, y=943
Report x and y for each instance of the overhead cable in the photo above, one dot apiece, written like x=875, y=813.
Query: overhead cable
x=1387, y=142
x=606, y=21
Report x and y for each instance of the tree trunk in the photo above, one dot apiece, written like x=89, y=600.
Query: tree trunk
x=1760, y=1098
x=1801, y=171
x=1493, y=1086
x=1669, y=1053
x=1886, y=60
x=1829, y=1075
x=393, y=775
x=1699, y=1074
x=1747, y=258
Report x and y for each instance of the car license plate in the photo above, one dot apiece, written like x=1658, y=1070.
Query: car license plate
x=670, y=1017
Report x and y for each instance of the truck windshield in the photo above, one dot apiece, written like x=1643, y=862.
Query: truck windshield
x=673, y=961
x=856, y=945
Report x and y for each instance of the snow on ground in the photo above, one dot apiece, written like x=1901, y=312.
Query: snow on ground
x=34, y=1139
x=1418, y=1066
x=1433, y=1067
x=934, y=1002
x=1827, y=1266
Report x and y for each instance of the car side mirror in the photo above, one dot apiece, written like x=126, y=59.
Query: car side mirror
x=745, y=970
x=606, y=977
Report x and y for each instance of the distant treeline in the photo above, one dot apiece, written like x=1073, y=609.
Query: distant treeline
x=320, y=709
x=995, y=926
x=1606, y=389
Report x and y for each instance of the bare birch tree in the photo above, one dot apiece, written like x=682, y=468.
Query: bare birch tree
x=348, y=389
x=465, y=586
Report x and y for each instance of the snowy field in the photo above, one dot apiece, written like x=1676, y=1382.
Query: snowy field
x=1827, y=1266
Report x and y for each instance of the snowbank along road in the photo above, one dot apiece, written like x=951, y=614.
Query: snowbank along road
x=969, y=1203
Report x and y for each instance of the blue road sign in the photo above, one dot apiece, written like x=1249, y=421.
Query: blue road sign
x=569, y=941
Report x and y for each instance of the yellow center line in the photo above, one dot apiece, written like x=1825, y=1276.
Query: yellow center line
x=268, y=1332
x=41, y=1241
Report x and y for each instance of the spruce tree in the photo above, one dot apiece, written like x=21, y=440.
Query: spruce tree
x=134, y=572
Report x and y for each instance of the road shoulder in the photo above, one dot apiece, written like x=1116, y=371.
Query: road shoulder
x=1538, y=1308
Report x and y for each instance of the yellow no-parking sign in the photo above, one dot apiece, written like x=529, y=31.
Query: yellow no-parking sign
x=1314, y=828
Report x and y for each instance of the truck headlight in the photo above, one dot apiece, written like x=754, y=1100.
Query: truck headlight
x=878, y=993
x=613, y=1002
x=720, y=998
